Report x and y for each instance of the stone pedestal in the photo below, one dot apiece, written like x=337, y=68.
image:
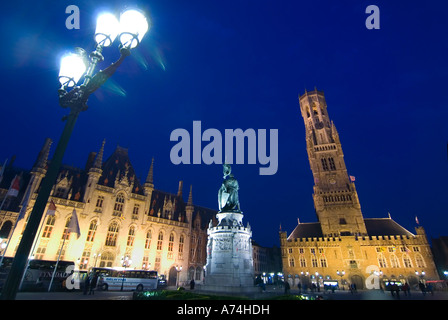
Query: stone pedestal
x=229, y=256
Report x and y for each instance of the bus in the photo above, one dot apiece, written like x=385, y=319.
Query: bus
x=115, y=279
x=38, y=274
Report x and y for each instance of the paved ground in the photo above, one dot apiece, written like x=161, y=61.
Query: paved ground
x=270, y=292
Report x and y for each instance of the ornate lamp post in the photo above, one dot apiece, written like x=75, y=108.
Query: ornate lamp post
x=341, y=274
x=178, y=269
x=130, y=30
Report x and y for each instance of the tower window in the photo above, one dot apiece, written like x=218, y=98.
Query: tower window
x=324, y=164
x=342, y=221
x=332, y=165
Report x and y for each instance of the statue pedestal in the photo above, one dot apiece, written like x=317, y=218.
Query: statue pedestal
x=229, y=256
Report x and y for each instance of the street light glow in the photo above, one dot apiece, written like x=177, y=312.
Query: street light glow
x=71, y=70
x=133, y=26
x=107, y=29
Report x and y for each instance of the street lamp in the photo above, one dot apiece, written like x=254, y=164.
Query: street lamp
x=341, y=274
x=125, y=262
x=130, y=30
x=178, y=269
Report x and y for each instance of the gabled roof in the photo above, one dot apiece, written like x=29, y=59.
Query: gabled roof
x=119, y=163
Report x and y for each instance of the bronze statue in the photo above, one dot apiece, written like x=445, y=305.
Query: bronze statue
x=228, y=193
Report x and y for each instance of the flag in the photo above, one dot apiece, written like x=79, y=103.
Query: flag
x=352, y=178
x=14, y=188
x=26, y=199
x=3, y=170
x=74, y=225
x=51, y=209
x=416, y=220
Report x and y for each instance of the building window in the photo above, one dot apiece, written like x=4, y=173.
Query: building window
x=407, y=261
x=394, y=261
x=314, y=262
x=324, y=164
x=332, y=165
x=118, y=207
x=131, y=237
x=302, y=262
x=146, y=265
x=159, y=241
x=135, y=212
x=382, y=261
x=99, y=202
x=92, y=230
x=107, y=260
x=49, y=227
x=419, y=261
x=323, y=262
x=342, y=221
x=170, y=246
x=148, y=239
x=40, y=252
x=291, y=262
x=112, y=234
x=84, y=261
x=181, y=247
x=66, y=234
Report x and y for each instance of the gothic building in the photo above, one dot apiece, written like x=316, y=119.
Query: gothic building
x=344, y=246
x=121, y=220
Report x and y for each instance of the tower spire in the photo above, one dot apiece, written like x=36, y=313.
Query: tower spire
x=190, y=196
x=42, y=158
x=150, y=177
x=99, y=158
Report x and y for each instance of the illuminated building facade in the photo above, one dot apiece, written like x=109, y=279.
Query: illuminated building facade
x=343, y=245
x=123, y=223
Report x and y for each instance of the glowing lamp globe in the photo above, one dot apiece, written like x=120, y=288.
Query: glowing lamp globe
x=72, y=69
x=133, y=26
x=107, y=29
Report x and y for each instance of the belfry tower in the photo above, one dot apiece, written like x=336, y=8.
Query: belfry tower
x=335, y=197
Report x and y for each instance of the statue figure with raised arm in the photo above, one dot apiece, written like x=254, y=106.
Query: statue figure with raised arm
x=228, y=193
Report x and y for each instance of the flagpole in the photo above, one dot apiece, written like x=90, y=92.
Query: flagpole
x=32, y=250
x=57, y=262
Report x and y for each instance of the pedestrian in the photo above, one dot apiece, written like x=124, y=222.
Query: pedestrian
x=86, y=284
x=406, y=289
x=430, y=288
x=192, y=283
x=93, y=283
x=287, y=287
x=422, y=287
x=299, y=286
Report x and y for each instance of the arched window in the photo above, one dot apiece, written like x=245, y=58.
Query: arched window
x=170, y=246
x=181, y=247
x=92, y=230
x=420, y=263
x=148, y=239
x=112, y=234
x=159, y=241
x=394, y=261
x=407, y=261
x=381, y=261
x=131, y=236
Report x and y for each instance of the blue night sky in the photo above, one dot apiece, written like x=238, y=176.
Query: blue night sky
x=242, y=64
